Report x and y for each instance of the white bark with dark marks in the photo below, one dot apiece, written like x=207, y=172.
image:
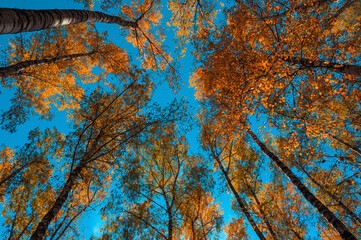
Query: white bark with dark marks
x=21, y=20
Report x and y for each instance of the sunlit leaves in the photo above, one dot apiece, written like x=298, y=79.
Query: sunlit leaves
x=236, y=229
x=190, y=18
x=41, y=86
x=27, y=185
x=280, y=63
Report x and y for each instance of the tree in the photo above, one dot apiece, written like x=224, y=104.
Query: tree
x=202, y=216
x=236, y=230
x=189, y=17
x=106, y=124
x=255, y=55
x=327, y=181
x=285, y=209
x=87, y=139
x=322, y=209
x=246, y=68
x=222, y=150
x=15, y=68
x=348, y=198
x=35, y=90
x=27, y=186
x=20, y=20
x=163, y=192
x=58, y=79
x=103, y=126
x=147, y=35
x=290, y=66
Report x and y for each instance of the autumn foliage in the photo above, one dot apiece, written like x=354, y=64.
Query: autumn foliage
x=278, y=121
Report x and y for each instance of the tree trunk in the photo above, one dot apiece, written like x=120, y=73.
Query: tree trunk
x=259, y=205
x=71, y=221
x=53, y=234
x=170, y=224
x=42, y=227
x=336, y=199
x=341, y=68
x=242, y=205
x=20, y=20
x=15, y=68
x=25, y=228
x=355, y=149
x=322, y=209
x=302, y=7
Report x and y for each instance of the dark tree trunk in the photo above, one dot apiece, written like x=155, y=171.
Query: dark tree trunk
x=20, y=20
x=240, y=201
x=355, y=149
x=42, y=227
x=170, y=225
x=341, y=68
x=15, y=68
x=259, y=205
x=71, y=221
x=336, y=199
x=321, y=208
x=301, y=7
x=53, y=234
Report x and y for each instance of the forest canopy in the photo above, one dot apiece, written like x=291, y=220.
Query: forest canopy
x=181, y=119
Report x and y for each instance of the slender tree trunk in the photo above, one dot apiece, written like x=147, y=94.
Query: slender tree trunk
x=193, y=230
x=169, y=213
x=259, y=205
x=42, y=227
x=322, y=209
x=170, y=225
x=336, y=199
x=242, y=205
x=341, y=68
x=20, y=20
x=296, y=234
x=71, y=221
x=25, y=228
x=301, y=7
x=60, y=225
x=15, y=68
x=355, y=149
